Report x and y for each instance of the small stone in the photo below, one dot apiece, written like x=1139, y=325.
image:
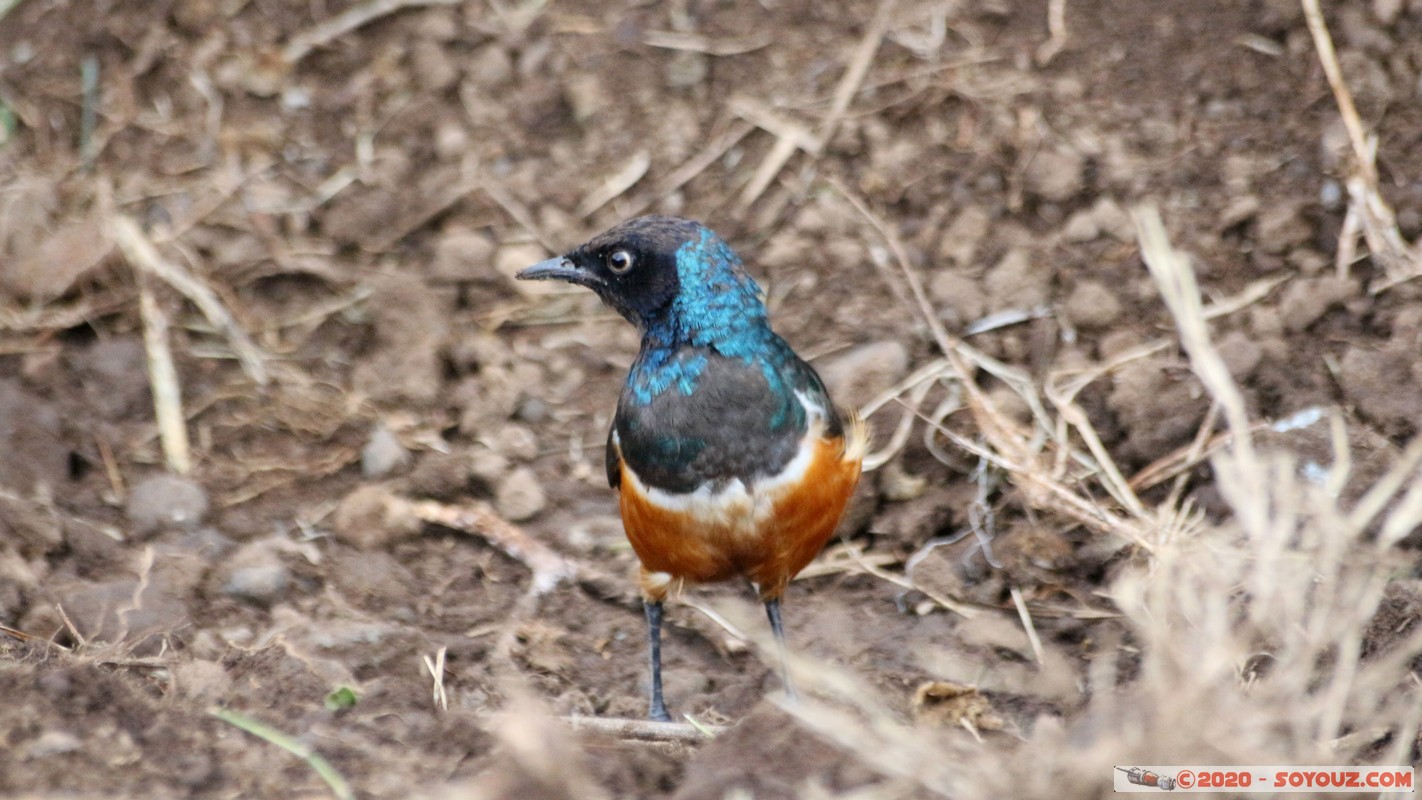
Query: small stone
x=585, y=95
x=1092, y=305
x=255, y=573
x=1387, y=10
x=442, y=476
x=166, y=501
x=451, y=140
x=1010, y=404
x=520, y=495
x=785, y=250
x=432, y=66
x=1055, y=175
x=1309, y=262
x=35, y=458
x=1371, y=379
x=1113, y=220
x=855, y=376
x=1016, y=283
x=486, y=467
x=53, y=743
x=1081, y=227
x=959, y=297
x=1281, y=227
x=371, y=517
x=1105, y=217
x=1305, y=301
x=1239, y=210
x=382, y=454
x=533, y=410
x=491, y=65
x=687, y=68
x=1241, y=355
x=965, y=233
x=516, y=442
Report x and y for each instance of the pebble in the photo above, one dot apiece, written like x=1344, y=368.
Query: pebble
x=441, y=476
x=586, y=96
x=959, y=296
x=382, y=454
x=256, y=574
x=166, y=501
x=1092, y=305
x=462, y=255
x=53, y=743
x=371, y=517
x=686, y=69
x=1281, y=227
x=491, y=65
x=533, y=410
x=1371, y=379
x=451, y=140
x=1387, y=10
x=1104, y=217
x=115, y=376
x=519, y=495
x=516, y=442
x=201, y=680
x=1240, y=354
x=486, y=467
x=965, y=233
x=35, y=456
x=432, y=66
x=1055, y=175
x=1010, y=404
x=1304, y=301
x=1015, y=283
x=855, y=376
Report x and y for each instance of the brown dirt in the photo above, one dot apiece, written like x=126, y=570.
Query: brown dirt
x=361, y=213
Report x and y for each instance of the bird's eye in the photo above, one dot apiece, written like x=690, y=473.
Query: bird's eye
x=620, y=261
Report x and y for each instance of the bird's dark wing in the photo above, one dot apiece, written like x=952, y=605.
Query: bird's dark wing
x=805, y=379
x=740, y=420
x=613, y=460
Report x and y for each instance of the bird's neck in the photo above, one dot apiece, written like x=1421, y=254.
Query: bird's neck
x=717, y=303
x=731, y=335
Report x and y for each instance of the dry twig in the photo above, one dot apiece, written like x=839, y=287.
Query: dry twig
x=435, y=666
x=644, y=730
x=141, y=253
x=1400, y=261
x=351, y=19
x=1057, y=30
x=786, y=145
x=163, y=379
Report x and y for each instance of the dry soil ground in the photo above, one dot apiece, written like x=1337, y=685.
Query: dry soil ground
x=358, y=195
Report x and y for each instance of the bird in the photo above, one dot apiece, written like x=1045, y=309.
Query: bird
x=728, y=456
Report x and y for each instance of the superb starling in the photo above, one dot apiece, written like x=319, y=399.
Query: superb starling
x=727, y=454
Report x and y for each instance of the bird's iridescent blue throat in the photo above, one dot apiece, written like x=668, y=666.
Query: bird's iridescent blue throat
x=719, y=307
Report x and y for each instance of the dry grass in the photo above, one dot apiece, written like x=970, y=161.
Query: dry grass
x=1251, y=641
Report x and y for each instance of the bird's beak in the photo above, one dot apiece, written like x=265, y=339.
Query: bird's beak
x=560, y=268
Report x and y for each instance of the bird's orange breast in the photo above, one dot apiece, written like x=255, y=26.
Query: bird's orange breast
x=767, y=532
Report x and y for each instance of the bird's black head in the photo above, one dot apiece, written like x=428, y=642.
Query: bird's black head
x=632, y=267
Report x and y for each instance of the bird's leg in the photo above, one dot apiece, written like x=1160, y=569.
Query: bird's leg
x=658, y=710
x=772, y=610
